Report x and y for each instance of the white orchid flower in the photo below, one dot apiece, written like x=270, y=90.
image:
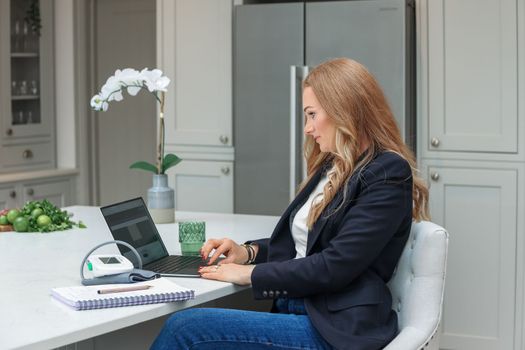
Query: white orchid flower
x=111, y=90
x=127, y=76
x=96, y=102
x=154, y=80
x=133, y=81
x=133, y=90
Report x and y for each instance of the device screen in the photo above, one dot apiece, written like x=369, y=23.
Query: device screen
x=109, y=260
x=130, y=222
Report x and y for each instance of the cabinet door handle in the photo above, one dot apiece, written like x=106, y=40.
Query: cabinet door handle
x=224, y=139
x=434, y=176
x=12, y=194
x=30, y=191
x=27, y=154
x=225, y=170
x=9, y=132
x=434, y=142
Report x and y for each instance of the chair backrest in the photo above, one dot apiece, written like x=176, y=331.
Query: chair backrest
x=417, y=287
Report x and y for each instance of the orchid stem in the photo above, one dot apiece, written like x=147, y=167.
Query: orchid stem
x=160, y=148
x=160, y=152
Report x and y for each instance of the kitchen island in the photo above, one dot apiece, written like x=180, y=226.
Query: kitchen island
x=33, y=263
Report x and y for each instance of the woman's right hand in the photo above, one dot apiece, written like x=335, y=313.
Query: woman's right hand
x=234, y=252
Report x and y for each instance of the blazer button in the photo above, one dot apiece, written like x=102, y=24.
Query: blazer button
x=271, y=294
x=264, y=294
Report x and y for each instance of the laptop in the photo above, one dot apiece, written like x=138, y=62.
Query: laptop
x=130, y=221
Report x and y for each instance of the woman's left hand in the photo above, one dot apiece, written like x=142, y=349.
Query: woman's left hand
x=234, y=273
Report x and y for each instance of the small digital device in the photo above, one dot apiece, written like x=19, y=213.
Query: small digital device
x=108, y=264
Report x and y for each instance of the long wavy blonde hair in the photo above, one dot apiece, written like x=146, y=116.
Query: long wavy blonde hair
x=355, y=103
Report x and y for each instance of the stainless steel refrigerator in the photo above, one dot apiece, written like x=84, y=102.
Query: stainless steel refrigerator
x=275, y=44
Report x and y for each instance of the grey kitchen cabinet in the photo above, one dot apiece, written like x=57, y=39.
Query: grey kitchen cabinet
x=27, y=87
x=7, y=196
x=203, y=185
x=478, y=205
x=470, y=55
x=195, y=50
x=57, y=186
x=57, y=191
x=470, y=125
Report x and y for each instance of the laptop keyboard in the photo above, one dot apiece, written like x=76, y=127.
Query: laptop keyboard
x=174, y=263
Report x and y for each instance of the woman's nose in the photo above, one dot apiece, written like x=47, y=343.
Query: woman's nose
x=308, y=128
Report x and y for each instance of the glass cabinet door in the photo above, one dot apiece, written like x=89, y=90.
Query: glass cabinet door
x=30, y=66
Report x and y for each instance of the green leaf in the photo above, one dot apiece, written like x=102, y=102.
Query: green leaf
x=144, y=166
x=170, y=160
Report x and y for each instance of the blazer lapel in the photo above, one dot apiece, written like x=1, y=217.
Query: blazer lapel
x=324, y=218
x=313, y=235
x=319, y=225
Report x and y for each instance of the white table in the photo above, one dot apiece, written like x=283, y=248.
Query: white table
x=33, y=263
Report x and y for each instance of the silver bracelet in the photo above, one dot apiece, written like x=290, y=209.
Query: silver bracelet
x=251, y=253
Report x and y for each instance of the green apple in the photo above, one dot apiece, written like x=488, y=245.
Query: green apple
x=43, y=221
x=21, y=224
x=36, y=213
x=12, y=215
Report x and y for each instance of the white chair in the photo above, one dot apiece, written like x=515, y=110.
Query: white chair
x=417, y=288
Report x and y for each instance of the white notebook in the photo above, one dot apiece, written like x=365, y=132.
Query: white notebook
x=160, y=290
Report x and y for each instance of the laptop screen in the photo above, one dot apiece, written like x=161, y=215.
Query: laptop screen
x=130, y=222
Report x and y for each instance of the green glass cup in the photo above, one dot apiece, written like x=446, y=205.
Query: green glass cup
x=192, y=235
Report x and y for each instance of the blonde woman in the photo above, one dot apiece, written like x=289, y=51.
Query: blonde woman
x=330, y=256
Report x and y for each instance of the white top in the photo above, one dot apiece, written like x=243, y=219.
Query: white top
x=299, y=228
x=31, y=264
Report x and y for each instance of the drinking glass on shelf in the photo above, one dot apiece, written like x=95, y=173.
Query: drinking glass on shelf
x=25, y=38
x=14, y=88
x=29, y=117
x=34, y=87
x=16, y=37
x=20, y=117
x=23, y=88
x=33, y=40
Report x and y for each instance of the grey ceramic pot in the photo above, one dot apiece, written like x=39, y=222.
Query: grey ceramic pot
x=161, y=200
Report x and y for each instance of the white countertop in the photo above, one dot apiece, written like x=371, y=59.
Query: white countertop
x=33, y=263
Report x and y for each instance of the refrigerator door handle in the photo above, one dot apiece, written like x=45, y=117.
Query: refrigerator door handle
x=293, y=129
x=297, y=163
x=305, y=71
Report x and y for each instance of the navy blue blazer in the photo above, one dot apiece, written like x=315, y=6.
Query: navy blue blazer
x=350, y=256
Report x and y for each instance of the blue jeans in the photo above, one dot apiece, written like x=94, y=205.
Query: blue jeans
x=213, y=329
